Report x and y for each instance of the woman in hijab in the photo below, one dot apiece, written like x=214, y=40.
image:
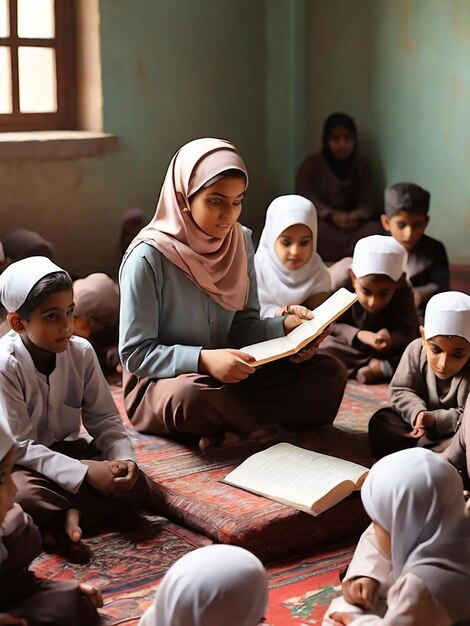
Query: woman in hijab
x=211, y=586
x=288, y=268
x=189, y=302
x=339, y=183
x=416, y=553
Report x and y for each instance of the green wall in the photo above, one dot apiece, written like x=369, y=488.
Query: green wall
x=421, y=77
x=401, y=68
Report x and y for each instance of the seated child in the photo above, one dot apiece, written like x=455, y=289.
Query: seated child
x=288, y=268
x=25, y=599
x=22, y=243
x=50, y=381
x=411, y=566
x=405, y=217
x=211, y=586
x=96, y=312
x=371, y=336
x=458, y=451
x=432, y=381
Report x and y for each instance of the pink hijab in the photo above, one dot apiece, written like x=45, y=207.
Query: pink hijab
x=219, y=267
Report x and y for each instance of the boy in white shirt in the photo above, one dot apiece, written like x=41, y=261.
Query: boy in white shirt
x=50, y=386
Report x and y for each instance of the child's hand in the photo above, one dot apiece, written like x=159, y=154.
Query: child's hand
x=100, y=476
x=93, y=594
x=342, y=619
x=227, y=365
x=296, y=315
x=310, y=349
x=425, y=421
x=6, y=619
x=383, y=340
x=126, y=474
x=361, y=591
x=366, y=337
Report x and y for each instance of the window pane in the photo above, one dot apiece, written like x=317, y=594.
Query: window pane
x=38, y=88
x=4, y=19
x=5, y=81
x=36, y=18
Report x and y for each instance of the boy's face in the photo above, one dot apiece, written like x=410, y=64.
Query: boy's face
x=7, y=486
x=406, y=228
x=50, y=325
x=374, y=292
x=446, y=355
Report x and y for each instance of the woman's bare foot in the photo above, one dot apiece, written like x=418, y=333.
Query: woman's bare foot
x=71, y=527
x=208, y=441
x=93, y=593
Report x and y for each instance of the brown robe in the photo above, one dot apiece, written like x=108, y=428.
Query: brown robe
x=355, y=195
x=398, y=317
x=26, y=596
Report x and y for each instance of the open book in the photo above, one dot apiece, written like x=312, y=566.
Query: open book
x=308, y=481
x=323, y=316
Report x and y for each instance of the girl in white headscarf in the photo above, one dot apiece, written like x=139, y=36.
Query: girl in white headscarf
x=416, y=553
x=288, y=268
x=211, y=586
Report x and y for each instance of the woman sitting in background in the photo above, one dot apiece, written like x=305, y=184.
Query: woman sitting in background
x=339, y=183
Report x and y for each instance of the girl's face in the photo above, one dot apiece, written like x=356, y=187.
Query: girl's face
x=341, y=143
x=294, y=246
x=7, y=486
x=216, y=208
x=446, y=355
x=384, y=539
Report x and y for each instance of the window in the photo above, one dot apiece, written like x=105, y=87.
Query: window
x=37, y=65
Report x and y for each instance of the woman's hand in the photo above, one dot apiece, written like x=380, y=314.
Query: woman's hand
x=361, y=591
x=310, y=349
x=226, y=365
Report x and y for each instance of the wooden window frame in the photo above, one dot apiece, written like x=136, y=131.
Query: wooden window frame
x=64, y=43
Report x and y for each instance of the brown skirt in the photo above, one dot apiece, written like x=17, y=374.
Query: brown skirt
x=306, y=394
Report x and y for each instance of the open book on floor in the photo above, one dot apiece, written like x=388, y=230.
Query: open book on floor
x=323, y=316
x=306, y=480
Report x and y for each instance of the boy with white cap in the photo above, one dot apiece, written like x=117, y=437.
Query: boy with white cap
x=49, y=382
x=432, y=381
x=371, y=336
x=24, y=598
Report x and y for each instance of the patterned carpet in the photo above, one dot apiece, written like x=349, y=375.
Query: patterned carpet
x=130, y=560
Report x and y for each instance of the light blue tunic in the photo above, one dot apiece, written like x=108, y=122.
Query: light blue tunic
x=166, y=320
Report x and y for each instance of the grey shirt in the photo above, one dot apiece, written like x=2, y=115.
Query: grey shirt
x=415, y=388
x=166, y=320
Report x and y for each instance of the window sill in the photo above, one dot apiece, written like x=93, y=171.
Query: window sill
x=55, y=145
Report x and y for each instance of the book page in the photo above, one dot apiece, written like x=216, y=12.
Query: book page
x=293, y=475
x=324, y=315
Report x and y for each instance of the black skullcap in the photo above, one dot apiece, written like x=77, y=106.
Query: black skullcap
x=406, y=197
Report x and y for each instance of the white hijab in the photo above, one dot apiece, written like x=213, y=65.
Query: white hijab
x=417, y=497
x=211, y=586
x=278, y=285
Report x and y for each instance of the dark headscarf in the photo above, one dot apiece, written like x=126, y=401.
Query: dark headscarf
x=22, y=243
x=342, y=168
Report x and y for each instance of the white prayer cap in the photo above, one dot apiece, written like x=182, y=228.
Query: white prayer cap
x=20, y=277
x=6, y=438
x=447, y=314
x=378, y=254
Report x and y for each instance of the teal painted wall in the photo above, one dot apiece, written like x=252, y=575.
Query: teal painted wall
x=421, y=78
x=402, y=69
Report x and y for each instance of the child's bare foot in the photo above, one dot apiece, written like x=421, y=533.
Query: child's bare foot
x=71, y=527
x=371, y=374
x=93, y=593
